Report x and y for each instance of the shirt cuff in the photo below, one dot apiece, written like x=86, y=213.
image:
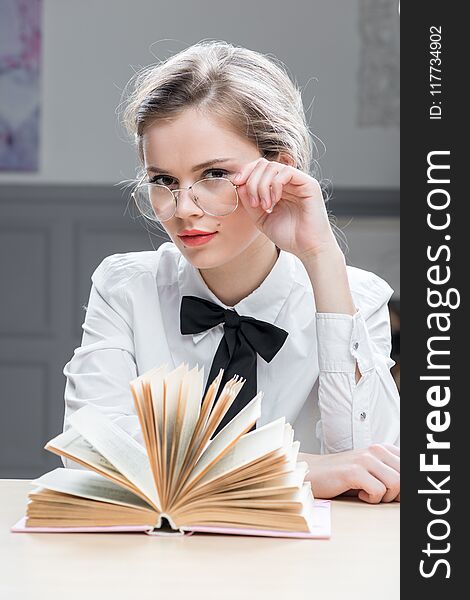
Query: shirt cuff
x=342, y=340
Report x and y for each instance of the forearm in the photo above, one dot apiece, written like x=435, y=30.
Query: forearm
x=329, y=279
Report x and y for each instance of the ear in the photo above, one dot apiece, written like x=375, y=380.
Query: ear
x=285, y=159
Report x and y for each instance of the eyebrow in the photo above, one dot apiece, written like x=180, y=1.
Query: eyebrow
x=204, y=165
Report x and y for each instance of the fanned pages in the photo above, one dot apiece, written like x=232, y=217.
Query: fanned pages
x=242, y=479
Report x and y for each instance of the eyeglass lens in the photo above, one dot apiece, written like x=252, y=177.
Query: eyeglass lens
x=217, y=197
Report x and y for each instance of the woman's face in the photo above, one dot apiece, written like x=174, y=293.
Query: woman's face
x=176, y=148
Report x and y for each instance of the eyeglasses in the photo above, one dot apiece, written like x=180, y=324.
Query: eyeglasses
x=217, y=197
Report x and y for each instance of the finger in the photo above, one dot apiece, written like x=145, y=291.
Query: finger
x=390, y=496
x=392, y=448
x=244, y=197
x=277, y=184
x=242, y=176
x=370, y=488
x=389, y=477
x=385, y=455
x=365, y=497
x=264, y=184
x=350, y=493
x=253, y=181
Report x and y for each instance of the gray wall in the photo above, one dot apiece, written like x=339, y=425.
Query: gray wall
x=56, y=225
x=91, y=47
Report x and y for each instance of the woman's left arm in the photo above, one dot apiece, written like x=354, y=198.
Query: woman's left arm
x=358, y=398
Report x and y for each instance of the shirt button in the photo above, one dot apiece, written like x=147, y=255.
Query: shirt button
x=363, y=416
x=356, y=345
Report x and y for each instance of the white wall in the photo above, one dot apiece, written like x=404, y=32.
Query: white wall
x=90, y=48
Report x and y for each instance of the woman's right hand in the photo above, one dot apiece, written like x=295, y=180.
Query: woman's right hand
x=374, y=472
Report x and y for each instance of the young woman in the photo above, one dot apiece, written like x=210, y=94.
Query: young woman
x=225, y=153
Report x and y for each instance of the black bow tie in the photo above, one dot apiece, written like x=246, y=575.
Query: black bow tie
x=243, y=338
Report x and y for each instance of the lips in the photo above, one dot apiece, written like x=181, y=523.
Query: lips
x=197, y=239
x=192, y=232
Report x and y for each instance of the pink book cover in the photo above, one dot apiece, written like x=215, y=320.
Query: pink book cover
x=320, y=530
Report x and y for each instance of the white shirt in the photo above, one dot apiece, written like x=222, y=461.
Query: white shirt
x=132, y=324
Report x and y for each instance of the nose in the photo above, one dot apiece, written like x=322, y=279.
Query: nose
x=185, y=205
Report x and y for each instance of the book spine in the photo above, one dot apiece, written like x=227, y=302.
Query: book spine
x=159, y=532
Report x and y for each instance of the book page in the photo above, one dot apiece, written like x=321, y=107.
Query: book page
x=285, y=482
x=155, y=378
x=173, y=383
x=151, y=418
x=118, y=447
x=284, y=500
x=227, y=436
x=192, y=389
x=202, y=440
x=251, y=446
x=289, y=480
x=75, y=444
x=308, y=512
x=89, y=485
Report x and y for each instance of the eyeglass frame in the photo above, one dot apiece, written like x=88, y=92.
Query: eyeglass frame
x=141, y=183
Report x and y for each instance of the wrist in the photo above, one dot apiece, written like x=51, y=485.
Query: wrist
x=328, y=251
x=327, y=272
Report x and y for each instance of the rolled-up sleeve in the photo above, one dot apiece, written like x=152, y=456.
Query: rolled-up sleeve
x=355, y=415
x=100, y=370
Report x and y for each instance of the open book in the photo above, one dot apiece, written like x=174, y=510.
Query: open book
x=182, y=481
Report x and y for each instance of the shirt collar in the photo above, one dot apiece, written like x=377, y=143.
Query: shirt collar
x=264, y=303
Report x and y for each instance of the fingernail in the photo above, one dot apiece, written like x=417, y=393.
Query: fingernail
x=253, y=201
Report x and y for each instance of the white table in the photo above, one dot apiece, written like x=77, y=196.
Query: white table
x=361, y=560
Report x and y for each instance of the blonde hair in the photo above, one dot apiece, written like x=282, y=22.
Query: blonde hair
x=250, y=92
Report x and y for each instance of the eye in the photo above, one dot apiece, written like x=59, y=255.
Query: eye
x=162, y=180
x=169, y=181
x=222, y=171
